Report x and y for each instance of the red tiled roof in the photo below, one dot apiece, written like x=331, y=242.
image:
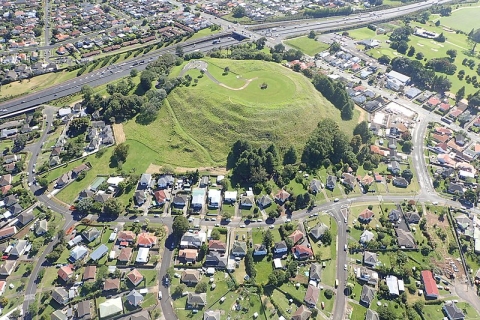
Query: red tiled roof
x=366, y=214
x=146, y=239
x=160, y=196
x=429, y=283
x=296, y=236
x=135, y=276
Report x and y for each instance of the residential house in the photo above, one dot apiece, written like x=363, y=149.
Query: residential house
x=366, y=236
x=134, y=298
x=394, y=215
x=91, y=234
x=331, y=182
x=239, y=248
x=431, y=289
x=400, y=182
x=84, y=310
x=282, y=196
x=7, y=267
x=8, y=232
x=188, y=255
x=125, y=255
x=102, y=197
x=455, y=188
x=135, y=277
x=315, y=186
x=41, y=227
x=60, y=295
x=140, y=197
x=348, y=180
x=392, y=283
x=260, y=250
x=367, y=180
x=230, y=197
x=317, y=232
x=160, y=197
x=370, y=258
x=180, y=200
x=371, y=315
x=10, y=200
x=165, y=181
x=89, y=273
x=99, y=252
x=452, y=311
x=246, y=202
x=311, y=296
x=192, y=240
x=145, y=180
x=63, y=180
x=190, y=277
x=196, y=300
x=302, y=313
x=217, y=246
x=211, y=315
x=204, y=182
x=264, y=201
x=146, y=239
x=78, y=253
x=367, y=295
x=110, y=308
x=65, y=272
x=58, y=315
x=20, y=248
x=412, y=217
x=296, y=236
x=280, y=247
x=405, y=239
x=366, y=216
x=25, y=217
x=301, y=252
x=394, y=167
x=111, y=284
x=214, y=198
x=216, y=260
x=126, y=236
x=315, y=272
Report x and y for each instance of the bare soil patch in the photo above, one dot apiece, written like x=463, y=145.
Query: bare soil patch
x=118, y=133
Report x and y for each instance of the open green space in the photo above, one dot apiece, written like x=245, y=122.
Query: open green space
x=464, y=19
x=198, y=124
x=307, y=45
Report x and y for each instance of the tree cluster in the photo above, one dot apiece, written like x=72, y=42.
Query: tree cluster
x=443, y=65
x=335, y=92
x=328, y=12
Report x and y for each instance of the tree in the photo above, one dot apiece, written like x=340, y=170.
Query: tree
x=363, y=131
x=146, y=79
x=347, y=111
x=239, y=12
x=474, y=38
x=440, y=38
x=418, y=306
x=121, y=152
x=437, y=23
x=403, y=47
x=425, y=250
x=326, y=238
x=85, y=205
x=42, y=182
x=279, y=48
x=460, y=94
x=419, y=56
x=133, y=73
x=113, y=207
x=334, y=47
x=407, y=146
x=411, y=51
x=87, y=92
x=452, y=53
x=201, y=287
x=328, y=294
x=179, y=50
x=180, y=226
x=215, y=234
x=179, y=290
x=78, y=126
x=268, y=239
x=384, y=59
x=20, y=142
x=272, y=279
x=290, y=157
x=312, y=34
x=470, y=196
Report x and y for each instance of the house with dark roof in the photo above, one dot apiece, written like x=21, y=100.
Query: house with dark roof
x=180, y=200
x=331, y=182
x=196, y=300
x=15, y=209
x=91, y=234
x=394, y=167
x=190, y=277
x=260, y=250
x=264, y=201
x=394, y=215
x=216, y=260
x=63, y=180
x=84, y=310
x=25, y=217
x=348, y=180
x=246, y=202
x=370, y=258
x=318, y=231
x=452, y=311
x=89, y=273
x=455, y=188
x=239, y=248
x=315, y=186
x=367, y=295
x=405, y=239
x=280, y=247
x=315, y=272
x=311, y=296
x=134, y=298
x=10, y=200
x=400, y=182
x=412, y=217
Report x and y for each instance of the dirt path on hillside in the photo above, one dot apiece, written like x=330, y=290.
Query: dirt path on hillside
x=118, y=133
x=247, y=82
x=154, y=168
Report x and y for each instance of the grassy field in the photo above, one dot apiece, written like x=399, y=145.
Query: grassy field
x=197, y=125
x=462, y=19
x=307, y=45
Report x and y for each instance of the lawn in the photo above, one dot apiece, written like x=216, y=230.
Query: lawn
x=358, y=312
x=307, y=45
x=187, y=135
x=264, y=267
x=462, y=19
x=203, y=33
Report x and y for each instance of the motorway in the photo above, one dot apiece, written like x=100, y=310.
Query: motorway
x=122, y=69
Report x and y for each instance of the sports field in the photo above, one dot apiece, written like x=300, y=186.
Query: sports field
x=463, y=18
x=307, y=45
x=198, y=124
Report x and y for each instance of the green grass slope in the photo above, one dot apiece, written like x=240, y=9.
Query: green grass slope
x=198, y=124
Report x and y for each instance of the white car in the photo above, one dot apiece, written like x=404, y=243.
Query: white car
x=336, y=200
x=243, y=226
x=271, y=226
x=159, y=295
x=345, y=267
